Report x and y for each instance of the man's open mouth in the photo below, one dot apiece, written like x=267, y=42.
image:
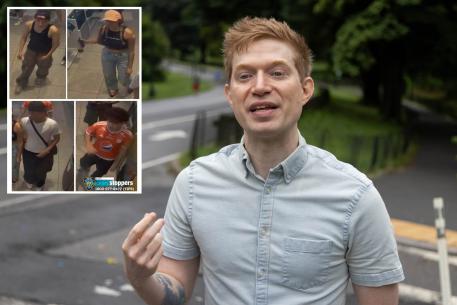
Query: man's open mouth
x=262, y=107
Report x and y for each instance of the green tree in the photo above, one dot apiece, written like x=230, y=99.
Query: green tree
x=155, y=47
x=383, y=41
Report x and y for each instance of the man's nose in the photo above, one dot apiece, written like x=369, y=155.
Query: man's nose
x=261, y=85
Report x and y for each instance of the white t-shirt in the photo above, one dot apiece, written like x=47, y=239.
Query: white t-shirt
x=48, y=130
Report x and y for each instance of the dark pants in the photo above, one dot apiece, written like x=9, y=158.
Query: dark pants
x=35, y=169
x=102, y=165
x=28, y=64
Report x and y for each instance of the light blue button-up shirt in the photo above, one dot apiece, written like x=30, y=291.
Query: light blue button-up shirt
x=295, y=238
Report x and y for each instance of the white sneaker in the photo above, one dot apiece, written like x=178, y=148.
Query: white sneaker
x=28, y=185
x=40, y=188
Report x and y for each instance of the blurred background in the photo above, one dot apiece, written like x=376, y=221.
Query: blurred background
x=386, y=102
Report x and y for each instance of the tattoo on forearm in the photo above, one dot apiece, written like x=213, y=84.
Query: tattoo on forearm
x=174, y=293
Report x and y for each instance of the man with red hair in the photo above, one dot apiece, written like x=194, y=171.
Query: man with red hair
x=271, y=220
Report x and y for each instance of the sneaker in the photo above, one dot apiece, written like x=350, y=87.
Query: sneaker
x=18, y=89
x=28, y=185
x=40, y=81
x=39, y=188
x=113, y=93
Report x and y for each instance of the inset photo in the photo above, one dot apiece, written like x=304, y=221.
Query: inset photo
x=103, y=53
x=42, y=146
x=106, y=146
x=37, y=53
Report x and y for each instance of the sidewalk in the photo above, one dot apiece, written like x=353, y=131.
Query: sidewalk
x=85, y=76
x=409, y=192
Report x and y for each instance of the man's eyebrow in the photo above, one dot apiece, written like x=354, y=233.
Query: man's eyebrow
x=271, y=64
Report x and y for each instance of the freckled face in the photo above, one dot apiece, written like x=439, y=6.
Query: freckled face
x=265, y=90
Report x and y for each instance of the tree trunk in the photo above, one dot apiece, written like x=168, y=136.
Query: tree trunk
x=392, y=82
x=203, y=52
x=370, y=86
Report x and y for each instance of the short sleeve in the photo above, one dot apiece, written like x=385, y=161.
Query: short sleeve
x=91, y=129
x=178, y=238
x=55, y=129
x=372, y=250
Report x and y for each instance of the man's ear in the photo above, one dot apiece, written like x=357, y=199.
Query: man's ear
x=228, y=94
x=308, y=89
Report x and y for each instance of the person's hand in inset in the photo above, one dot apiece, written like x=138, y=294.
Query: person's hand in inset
x=91, y=150
x=43, y=153
x=43, y=57
x=142, y=249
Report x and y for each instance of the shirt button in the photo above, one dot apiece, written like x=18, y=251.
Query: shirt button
x=261, y=273
x=263, y=231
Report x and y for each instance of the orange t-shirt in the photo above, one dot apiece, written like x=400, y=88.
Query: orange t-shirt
x=107, y=143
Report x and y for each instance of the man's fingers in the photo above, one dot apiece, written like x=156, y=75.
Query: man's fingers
x=150, y=250
x=138, y=230
x=147, y=237
x=154, y=261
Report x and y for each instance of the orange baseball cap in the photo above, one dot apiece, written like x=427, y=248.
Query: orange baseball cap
x=112, y=15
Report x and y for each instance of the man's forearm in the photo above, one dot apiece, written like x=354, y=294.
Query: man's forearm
x=131, y=58
x=22, y=45
x=55, y=45
x=161, y=289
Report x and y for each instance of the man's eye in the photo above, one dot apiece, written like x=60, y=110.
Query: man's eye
x=244, y=76
x=278, y=74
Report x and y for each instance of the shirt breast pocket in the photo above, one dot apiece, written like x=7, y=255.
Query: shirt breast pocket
x=305, y=263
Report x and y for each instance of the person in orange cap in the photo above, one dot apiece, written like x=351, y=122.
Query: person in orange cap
x=47, y=104
x=118, y=52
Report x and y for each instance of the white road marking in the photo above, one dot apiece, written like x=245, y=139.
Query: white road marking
x=179, y=119
x=172, y=121
x=426, y=254
x=106, y=291
x=422, y=295
x=161, y=160
x=126, y=287
x=167, y=135
x=3, y=127
x=3, y=151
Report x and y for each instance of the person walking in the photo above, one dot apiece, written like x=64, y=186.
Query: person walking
x=118, y=53
x=106, y=144
x=44, y=40
x=37, y=140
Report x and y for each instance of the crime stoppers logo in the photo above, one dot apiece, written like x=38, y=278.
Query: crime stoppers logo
x=89, y=184
x=106, y=184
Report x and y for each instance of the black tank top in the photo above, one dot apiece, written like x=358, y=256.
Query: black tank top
x=113, y=39
x=40, y=42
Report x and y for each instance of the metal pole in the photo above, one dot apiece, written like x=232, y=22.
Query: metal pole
x=440, y=225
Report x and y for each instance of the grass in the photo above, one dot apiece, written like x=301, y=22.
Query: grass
x=175, y=85
x=352, y=131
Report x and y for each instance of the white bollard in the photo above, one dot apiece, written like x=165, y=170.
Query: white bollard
x=440, y=225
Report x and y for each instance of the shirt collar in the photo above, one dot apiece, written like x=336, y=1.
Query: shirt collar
x=288, y=168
